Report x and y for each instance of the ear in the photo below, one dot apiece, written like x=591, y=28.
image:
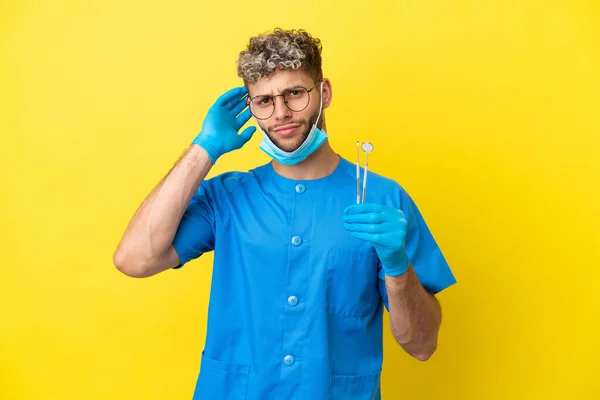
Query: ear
x=327, y=93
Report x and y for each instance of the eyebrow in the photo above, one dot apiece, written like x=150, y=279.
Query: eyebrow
x=284, y=90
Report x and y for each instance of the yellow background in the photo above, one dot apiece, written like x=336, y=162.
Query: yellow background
x=487, y=112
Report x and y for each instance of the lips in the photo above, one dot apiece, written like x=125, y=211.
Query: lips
x=286, y=130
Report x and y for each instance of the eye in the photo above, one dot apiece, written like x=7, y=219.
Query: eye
x=262, y=101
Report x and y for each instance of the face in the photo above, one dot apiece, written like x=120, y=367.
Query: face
x=288, y=129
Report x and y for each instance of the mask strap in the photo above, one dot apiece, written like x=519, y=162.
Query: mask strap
x=321, y=104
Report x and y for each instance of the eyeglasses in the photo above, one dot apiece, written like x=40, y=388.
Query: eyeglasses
x=296, y=99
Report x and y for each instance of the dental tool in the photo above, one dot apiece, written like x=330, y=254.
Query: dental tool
x=367, y=147
x=357, y=174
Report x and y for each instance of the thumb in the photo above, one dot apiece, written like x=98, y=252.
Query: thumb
x=246, y=134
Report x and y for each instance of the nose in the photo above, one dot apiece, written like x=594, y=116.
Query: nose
x=281, y=110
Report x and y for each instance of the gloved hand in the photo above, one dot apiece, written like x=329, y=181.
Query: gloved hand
x=383, y=226
x=219, y=134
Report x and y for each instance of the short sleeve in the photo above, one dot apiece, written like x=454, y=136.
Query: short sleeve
x=196, y=232
x=423, y=252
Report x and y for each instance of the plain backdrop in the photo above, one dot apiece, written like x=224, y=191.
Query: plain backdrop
x=486, y=112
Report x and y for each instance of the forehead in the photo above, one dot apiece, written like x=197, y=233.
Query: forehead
x=279, y=81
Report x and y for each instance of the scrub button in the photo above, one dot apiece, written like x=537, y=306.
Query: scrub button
x=288, y=360
x=296, y=240
x=292, y=300
x=300, y=188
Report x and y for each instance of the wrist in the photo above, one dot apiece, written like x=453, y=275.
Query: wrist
x=196, y=155
x=212, y=152
x=397, y=268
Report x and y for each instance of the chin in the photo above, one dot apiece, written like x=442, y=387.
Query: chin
x=289, y=147
x=289, y=144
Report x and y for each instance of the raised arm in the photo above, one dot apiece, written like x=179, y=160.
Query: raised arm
x=146, y=247
x=147, y=244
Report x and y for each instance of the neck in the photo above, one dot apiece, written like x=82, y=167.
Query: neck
x=316, y=166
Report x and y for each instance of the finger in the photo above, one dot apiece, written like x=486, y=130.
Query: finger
x=232, y=103
x=366, y=228
x=363, y=208
x=242, y=99
x=239, y=107
x=232, y=94
x=368, y=218
x=369, y=237
x=242, y=119
x=247, y=134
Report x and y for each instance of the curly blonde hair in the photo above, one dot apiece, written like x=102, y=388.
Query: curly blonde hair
x=278, y=50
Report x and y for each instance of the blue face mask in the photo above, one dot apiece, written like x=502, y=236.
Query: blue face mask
x=315, y=139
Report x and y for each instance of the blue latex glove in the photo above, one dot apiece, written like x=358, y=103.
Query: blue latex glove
x=383, y=226
x=219, y=134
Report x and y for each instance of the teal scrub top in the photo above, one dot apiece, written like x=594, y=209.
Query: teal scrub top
x=296, y=303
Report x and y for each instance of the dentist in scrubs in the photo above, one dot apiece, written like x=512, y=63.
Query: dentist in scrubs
x=302, y=273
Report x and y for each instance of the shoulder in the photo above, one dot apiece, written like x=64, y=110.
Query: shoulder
x=387, y=189
x=383, y=183
x=226, y=183
x=376, y=182
x=380, y=188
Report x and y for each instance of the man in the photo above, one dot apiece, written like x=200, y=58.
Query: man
x=301, y=272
